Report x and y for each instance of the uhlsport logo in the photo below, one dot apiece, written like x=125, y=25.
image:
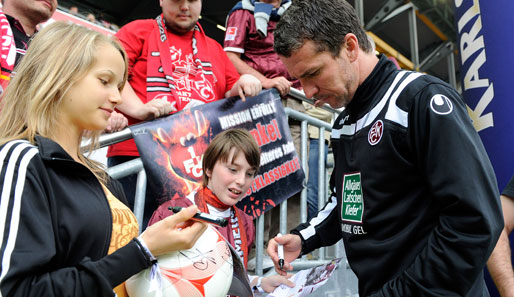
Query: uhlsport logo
x=353, y=201
x=375, y=133
x=440, y=104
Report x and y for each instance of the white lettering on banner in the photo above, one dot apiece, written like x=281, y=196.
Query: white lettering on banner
x=235, y=119
x=288, y=147
x=262, y=110
x=470, y=43
x=270, y=156
x=194, y=165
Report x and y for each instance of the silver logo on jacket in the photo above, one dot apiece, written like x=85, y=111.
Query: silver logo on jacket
x=440, y=104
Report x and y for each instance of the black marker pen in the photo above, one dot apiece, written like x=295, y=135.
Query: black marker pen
x=204, y=217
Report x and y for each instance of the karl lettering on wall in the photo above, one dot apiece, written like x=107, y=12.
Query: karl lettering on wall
x=484, y=44
x=484, y=35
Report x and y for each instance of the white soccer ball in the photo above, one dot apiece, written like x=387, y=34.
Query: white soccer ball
x=205, y=270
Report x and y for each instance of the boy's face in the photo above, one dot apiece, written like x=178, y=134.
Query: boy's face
x=230, y=181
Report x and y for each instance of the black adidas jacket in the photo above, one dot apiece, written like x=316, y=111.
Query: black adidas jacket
x=414, y=194
x=56, y=226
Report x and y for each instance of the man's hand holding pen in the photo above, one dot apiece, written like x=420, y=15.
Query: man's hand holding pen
x=291, y=246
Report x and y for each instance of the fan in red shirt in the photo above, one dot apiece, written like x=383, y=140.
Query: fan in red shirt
x=173, y=66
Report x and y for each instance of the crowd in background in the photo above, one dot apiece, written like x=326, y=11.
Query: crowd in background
x=92, y=17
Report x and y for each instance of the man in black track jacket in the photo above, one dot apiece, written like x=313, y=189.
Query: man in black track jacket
x=414, y=196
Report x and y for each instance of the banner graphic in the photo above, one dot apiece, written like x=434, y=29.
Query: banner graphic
x=171, y=149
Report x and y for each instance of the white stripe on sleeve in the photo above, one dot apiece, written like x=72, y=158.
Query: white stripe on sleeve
x=6, y=193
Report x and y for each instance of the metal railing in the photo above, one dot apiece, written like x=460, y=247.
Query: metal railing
x=135, y=166
x=303, y=263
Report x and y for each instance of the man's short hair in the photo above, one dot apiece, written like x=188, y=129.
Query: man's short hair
x=325, y=22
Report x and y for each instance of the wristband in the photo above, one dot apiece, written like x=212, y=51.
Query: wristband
x=257, y=286
x=155, y=284
x=142, y=246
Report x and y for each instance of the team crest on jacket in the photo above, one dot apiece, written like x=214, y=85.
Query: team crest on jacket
x=440, y=104
x=375, y=133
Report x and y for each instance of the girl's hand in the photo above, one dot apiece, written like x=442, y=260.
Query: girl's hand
x=270, y=283
x=173, y=234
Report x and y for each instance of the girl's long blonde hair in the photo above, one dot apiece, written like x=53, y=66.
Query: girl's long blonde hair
x=60, y=55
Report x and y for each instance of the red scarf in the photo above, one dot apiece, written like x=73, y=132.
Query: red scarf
x=7, y=51
x=160, y=82
x=205, y=196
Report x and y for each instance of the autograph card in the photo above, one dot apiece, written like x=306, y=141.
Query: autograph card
x=307, y=280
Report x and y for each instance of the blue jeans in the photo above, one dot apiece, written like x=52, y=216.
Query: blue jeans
x=312, y=182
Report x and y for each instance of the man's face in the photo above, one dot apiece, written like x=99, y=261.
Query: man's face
x=38, y=10
x=329, y=79
x=181, y=15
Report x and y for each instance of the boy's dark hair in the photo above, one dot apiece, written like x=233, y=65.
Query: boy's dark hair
x=324, y=22
x=219, y=150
